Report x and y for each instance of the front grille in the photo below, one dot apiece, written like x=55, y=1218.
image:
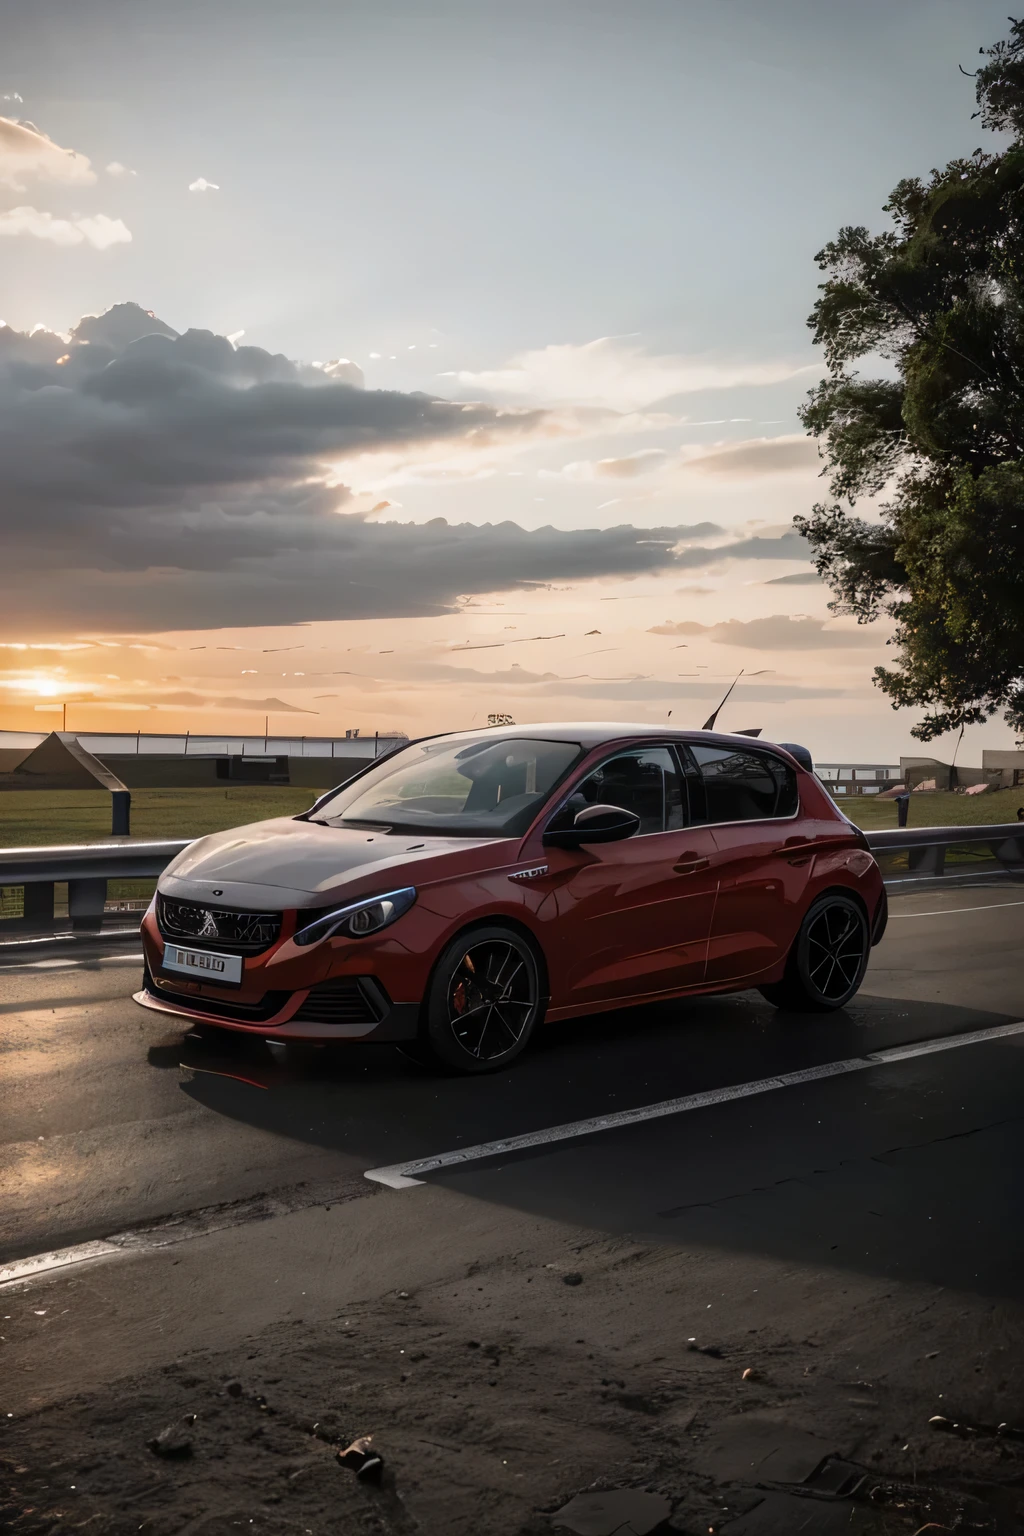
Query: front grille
x=235, y=933
x=340, y=1001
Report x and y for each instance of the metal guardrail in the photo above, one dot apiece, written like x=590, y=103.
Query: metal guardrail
x=927, y=849
x=88, y=867
x=88, y=861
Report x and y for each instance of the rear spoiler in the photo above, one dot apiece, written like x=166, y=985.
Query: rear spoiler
x=801, y=754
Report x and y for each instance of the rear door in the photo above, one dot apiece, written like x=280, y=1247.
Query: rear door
x=752, y=809
x=633, y=917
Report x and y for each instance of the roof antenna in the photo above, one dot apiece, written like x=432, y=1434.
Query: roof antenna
x=709, y=724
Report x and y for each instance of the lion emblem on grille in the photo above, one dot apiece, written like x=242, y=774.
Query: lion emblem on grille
x=209, y=929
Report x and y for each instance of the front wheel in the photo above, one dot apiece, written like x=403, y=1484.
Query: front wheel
x=484, y=1001
x=827, y=962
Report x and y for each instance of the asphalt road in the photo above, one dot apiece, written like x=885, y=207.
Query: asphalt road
x=855, y=1239
x=896, y=1169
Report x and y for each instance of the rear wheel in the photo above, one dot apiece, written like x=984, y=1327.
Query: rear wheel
x=829, y=957
x=484, y=1002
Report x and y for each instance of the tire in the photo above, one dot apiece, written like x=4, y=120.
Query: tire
x=828, y=959
x=484, y=1002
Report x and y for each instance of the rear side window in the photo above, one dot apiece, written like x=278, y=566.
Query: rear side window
x=745, y=786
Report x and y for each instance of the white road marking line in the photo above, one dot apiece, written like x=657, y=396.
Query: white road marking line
x=951, y=911
x=946, y=879
x=72, y=964
x=400, y=1175
x=403, y=1175
x=40, y=1263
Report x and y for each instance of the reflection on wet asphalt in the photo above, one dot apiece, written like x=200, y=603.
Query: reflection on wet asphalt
x=383, y=1110
x=102, y=1127
x=909, y=1170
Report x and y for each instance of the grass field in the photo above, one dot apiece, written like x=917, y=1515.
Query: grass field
x=35, y=817
x=32, y=817
x=935, y=809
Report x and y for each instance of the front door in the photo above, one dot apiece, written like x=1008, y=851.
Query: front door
x=633, y=916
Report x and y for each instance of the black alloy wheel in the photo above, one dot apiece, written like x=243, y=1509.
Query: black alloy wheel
x=829, y=957
x=484, y=1001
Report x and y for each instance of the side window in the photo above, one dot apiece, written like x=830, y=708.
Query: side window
x=745, y=786
x=646, y=782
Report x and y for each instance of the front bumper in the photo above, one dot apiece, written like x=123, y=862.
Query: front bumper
x=286, y=997
x=382, y=1020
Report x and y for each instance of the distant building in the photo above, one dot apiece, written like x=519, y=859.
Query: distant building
x=1003, y=769
x=929, y=772
x=61, y=762
x=842, y=779
x=138, y=760
x=999, y=769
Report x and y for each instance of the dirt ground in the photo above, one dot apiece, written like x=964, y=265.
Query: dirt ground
x=500, y=1390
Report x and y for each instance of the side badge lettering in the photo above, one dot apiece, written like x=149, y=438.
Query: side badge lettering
x=530, y=874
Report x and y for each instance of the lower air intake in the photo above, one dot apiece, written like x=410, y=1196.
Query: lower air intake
x=343, y=1000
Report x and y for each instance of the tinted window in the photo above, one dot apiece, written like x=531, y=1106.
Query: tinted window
x=745, y=786
x=489, y=788
x=645, y=782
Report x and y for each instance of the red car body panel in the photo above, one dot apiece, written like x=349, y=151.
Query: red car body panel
x=701, y=909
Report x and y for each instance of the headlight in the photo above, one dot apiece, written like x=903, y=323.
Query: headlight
x=360, y=918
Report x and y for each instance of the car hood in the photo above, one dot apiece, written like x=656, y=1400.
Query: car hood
x=285, y=863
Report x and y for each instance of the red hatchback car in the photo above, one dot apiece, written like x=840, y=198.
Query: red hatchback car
x=465, y=887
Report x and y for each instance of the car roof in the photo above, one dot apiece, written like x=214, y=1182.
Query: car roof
x=595, y=733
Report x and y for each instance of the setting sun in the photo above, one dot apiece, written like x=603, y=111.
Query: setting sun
x=39, y=683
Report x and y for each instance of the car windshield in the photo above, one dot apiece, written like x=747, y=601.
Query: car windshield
x=462, y=787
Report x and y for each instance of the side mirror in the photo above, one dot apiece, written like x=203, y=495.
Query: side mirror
x=595, y=824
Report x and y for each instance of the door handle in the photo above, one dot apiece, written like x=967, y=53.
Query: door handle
x=689, y=865
x=797, y=850
x=813, y=845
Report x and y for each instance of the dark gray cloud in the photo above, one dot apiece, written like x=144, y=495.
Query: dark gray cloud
x=770, y=455
x=785, y=546
x=522, y=682
x=154, y=480
x=798, y=579
x=182, y=699
x=644, y=690
x=229, y=569
x=166, y=423
x=186, y=700
x=678, y=627
x=779, y=632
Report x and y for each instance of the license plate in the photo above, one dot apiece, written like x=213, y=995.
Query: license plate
x=203, y=965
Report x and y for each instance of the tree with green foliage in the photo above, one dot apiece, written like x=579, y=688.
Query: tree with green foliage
x=940, y=299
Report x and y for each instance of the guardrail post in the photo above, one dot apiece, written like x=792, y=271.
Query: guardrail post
x=121, y=813
x=85, y=904
x=1009, y=851
x=38, y=907
x=928, y=860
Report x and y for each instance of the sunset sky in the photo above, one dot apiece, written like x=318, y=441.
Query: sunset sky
x=442, y=360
